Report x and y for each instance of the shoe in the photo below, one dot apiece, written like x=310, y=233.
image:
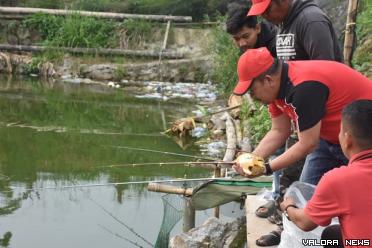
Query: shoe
x=273, y=238
x=266, y=210
x=276, y=218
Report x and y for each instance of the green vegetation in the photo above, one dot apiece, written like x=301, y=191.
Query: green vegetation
x=258, y=119
x=363, y=54
x=225, y=56
x=85, y=32
x=133, y=33
x=80, y=31
x=120, y=72
x=72, y=30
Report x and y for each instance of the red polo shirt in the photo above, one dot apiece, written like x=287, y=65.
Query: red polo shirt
x=345, y=193
x=317, y=90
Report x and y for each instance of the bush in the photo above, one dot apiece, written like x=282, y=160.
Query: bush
x=225, y=57
x=134, y=32
x=72, y=30
x=259, y=122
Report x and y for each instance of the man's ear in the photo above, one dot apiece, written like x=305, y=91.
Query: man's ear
x=269, y=80
x=258, y=28
x=348, y=140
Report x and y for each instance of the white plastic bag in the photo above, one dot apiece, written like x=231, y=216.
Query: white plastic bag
x=292, y=236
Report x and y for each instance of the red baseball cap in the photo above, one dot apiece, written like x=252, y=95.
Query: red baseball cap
x=258, y=7
x=250, y=65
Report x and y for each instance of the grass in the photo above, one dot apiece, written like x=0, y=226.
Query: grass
x=86, y=32
x=72, y=30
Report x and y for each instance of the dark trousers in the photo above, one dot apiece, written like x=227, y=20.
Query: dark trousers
x=333, y=233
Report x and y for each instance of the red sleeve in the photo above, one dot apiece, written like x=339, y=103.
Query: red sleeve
x=324, y=204
x=274, y=110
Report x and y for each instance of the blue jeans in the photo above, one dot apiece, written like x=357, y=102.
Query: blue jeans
x=277, y=174
x=325, y=157
x=276, y=189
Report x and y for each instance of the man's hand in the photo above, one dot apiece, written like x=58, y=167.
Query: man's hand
x=297, y=215
x=250, y=165
x=286, y=202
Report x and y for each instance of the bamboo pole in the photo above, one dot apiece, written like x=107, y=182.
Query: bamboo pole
x=230, y=151
x=199, y=118
x=205, y=165
x=156, y=187
x=165, y=41
x=109, y=15
x=349, y=31
x=231, y=139
x=217, y=174
x=188, y=215
x=11, y=17
x=101, y=51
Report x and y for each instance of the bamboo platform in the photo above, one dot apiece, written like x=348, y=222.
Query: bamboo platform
x=256, y=226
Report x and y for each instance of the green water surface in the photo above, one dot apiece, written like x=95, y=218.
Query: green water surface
x=54, y=134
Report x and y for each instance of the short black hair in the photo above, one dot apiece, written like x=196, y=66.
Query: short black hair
x=272, y=69
x=358, y=116
x=237, y=17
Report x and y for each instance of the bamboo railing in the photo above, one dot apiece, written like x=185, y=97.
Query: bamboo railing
x=17, y=11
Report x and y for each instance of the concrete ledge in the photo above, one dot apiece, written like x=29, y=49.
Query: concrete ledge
x=256, y=227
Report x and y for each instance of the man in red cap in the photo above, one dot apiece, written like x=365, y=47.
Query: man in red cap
x=306, y=95
x=305, y=32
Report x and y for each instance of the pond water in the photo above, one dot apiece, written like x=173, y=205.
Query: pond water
x=57, y=134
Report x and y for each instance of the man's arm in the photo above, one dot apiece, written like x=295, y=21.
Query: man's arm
x=323, y=205
x=307, y=141
x=319, y=41
x=297, y=215
x=275, y=138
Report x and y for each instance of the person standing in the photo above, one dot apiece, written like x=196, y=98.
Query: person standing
x=305, y=31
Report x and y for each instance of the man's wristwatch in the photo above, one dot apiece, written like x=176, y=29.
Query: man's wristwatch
x=268, y=170
x=285, y=210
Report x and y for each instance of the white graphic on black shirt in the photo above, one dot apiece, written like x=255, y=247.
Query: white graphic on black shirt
x=285, y=46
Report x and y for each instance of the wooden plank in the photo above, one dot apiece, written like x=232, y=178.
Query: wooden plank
x=256, y=227
x=101, y=51
x=109, y=15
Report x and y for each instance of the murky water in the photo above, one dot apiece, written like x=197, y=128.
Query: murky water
x=55, y=134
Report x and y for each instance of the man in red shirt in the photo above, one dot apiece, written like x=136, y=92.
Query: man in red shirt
x=344, y=192
x=311, y=94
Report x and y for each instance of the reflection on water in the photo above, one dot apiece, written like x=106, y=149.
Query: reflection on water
x=54, y=134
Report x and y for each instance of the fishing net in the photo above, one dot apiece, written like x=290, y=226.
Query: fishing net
x=173, y=211
x=205, y=196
